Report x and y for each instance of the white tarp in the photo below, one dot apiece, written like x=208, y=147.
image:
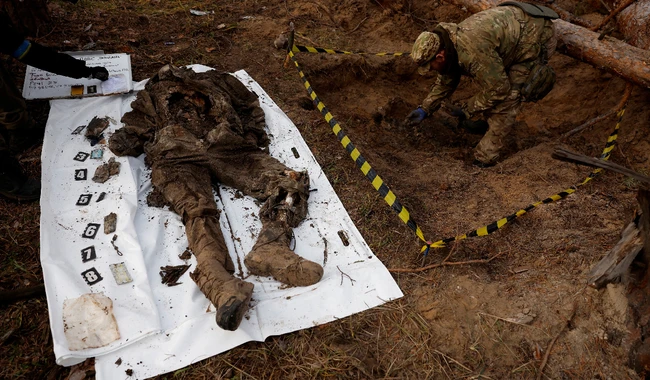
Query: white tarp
x=164, y=328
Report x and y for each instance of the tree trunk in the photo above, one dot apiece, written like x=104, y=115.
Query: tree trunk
x=634, y=22
x=31, y=17
x=628, y=62
x=616, y=264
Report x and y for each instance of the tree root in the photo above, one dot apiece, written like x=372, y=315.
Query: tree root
x=619, y=106
x=612, y=14
x=540, y=372
x=445, y=263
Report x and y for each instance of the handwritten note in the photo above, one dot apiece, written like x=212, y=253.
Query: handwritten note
x=41, y=84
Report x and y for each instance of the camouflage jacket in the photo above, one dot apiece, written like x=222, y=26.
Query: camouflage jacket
x=488, y=43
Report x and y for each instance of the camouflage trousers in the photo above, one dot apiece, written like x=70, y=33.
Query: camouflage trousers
x=502, y=117
x=13, y=110
x=18, y=130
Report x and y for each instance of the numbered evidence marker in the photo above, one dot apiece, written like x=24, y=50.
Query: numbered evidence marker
x=84, y=199
x=120, y=273
x=91, y=231
x=91, y=276
x=80, y=174
x=81, y=156
x=88, y=254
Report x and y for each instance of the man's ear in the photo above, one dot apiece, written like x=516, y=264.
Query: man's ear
x=440, y=56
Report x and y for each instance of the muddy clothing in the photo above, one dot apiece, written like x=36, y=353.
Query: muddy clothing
x=497, y=48
x=200, y=129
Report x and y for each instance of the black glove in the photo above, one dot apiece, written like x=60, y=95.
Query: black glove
x=416, y=116
x=458, y=112
x=98, y=72
x=58, y=63
x=475, y=127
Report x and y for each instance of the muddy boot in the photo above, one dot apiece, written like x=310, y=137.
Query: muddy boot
x=230, y=297
x=213, y=274
x=271, y=256
x=14, y=184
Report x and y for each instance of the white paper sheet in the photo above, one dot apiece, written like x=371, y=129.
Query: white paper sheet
x=41, y=84
x=165, y=328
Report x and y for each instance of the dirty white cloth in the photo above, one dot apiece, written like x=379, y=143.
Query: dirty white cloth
x=89, y=322
x=165, y=328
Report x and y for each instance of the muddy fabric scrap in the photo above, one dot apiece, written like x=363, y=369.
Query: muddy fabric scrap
x=96, y=127
x=110, y=223
x=170, y=274
x=106, y=171
x=89, y=321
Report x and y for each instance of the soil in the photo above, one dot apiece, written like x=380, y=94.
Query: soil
x=491, y=320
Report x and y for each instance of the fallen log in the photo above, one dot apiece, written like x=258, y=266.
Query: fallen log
x=633, y=20
x=566, y=155
x=568, y=16
x=613, y=14
x=615, y=265
x=624, y=60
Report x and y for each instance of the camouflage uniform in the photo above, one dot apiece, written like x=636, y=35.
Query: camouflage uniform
x=13, y=110
x=497, y=48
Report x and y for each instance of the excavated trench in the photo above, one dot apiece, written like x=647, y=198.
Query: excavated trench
x=371, y=97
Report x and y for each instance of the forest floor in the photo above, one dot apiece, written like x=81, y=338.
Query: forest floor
x=487, y=320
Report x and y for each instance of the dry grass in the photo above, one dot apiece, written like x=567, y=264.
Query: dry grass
x=25, y=340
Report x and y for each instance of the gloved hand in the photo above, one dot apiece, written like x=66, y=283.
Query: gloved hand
x=416, y=117
x=475, y=127
x=458, y=112
x=98, y=72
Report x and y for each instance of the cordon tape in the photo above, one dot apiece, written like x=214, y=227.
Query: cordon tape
x=495, y=226
x=311, y=49
x=390, y=197
x=361, y=162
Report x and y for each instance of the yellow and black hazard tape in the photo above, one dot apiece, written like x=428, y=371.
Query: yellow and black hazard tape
x=311, y=49
x=361, y=162
x=495, y=226
x=390, y=197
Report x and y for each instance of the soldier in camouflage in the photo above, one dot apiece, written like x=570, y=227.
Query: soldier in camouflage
x=497, y=48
